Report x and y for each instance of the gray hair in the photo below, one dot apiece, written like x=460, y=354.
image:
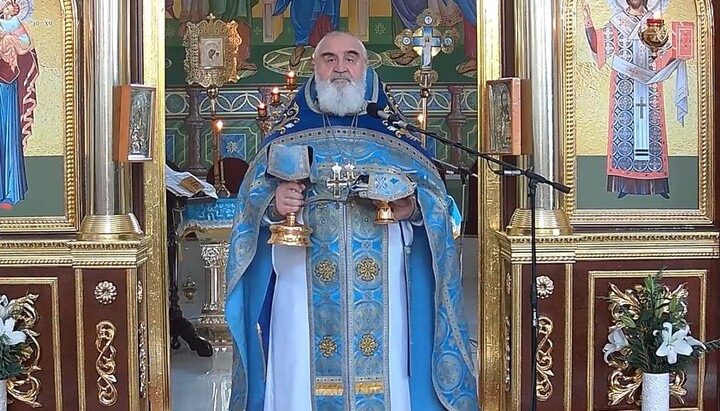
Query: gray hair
x=343, y=33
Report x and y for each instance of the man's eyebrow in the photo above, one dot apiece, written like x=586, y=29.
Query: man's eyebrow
x=327, y=54
x=353, y=52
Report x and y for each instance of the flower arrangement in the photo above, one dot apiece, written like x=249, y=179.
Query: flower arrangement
x=12, y=341
x=650, y=333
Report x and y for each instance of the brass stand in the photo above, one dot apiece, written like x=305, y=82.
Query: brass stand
x=216, y=126
x=212, y=324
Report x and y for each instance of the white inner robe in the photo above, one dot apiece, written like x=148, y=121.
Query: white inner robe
x=288, y=386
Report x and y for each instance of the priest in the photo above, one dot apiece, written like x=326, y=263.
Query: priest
x=369, y=316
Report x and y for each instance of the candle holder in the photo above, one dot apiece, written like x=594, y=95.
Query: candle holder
x=216, y=127
x=655, y=35
x=270, y=113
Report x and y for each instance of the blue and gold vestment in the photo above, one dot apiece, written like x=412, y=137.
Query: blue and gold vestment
x=346, y=268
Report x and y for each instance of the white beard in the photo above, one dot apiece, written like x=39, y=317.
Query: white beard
x=341, y=99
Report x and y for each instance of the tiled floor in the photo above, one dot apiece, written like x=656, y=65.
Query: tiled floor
x=203, y=384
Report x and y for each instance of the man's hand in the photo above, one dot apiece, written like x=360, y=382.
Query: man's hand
x=289, y=197
x=403, y=208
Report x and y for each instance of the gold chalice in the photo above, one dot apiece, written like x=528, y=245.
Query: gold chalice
x=289, y=163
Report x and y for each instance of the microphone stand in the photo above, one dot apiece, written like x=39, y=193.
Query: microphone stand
x=533, y=180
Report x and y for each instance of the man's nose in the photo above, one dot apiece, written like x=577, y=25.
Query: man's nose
x=341, y=67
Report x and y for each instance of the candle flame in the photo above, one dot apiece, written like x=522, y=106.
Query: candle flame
x=261, y=106
x=275, y=90
x=421, y=118
x=291, y=74
x=218, y=125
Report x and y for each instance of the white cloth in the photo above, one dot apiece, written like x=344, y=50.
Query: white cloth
x=288, y=382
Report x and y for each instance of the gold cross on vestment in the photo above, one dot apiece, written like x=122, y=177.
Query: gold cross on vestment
x=337, y=181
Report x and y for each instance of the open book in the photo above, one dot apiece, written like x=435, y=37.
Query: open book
x=184, y=184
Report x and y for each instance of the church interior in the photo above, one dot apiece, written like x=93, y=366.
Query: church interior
x=575, y=139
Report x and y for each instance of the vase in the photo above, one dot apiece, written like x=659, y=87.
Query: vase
x=656, y=392
x=3, y=396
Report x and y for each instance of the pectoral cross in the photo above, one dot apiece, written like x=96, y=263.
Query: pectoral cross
x=337, y=181
x=642, y=106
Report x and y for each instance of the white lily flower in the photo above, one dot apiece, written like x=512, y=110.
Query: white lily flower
x=674, y=343
x=690, y=340
x=7, y=329
x=616, y=342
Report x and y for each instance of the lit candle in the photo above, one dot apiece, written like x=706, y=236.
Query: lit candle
x=290, y=80
x=218, y=125
x=262, y=111
x=275, y=96
x=421, y=120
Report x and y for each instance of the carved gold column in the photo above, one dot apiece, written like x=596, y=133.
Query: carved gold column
x=535, y=53
x=491, y=327
x=107, y=51
x=212, y=324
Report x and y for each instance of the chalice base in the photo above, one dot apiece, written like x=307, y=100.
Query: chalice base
x=290, y=233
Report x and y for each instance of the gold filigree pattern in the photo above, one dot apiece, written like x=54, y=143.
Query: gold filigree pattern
x=26, y=387
x=508, y=284
x=326, y=271
x=508, y=354
x=545, y=287
x=105, y=292
x=624, y=381
x=544, y=359
x=625, y=384
x=368, y=345
x=140, y=292
x=143, y=359
x=327, y=346
x=105, y=364
x=368, y=269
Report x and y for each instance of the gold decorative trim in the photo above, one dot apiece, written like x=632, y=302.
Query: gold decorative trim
x=568, y=366
x=26, y=387
x=544, y=359
x=367, y=269
x=624, y=382
x=105, y=364
x=71, y=182
x=140, y=293
x=142, y=360
x=153, y=61
x=326, y=270
x=327, y=346
x=508, y=354
x=105, y=292
x=54, y=318
x=80, y=338
x=336, y=389
x=133, y=342
x=490, y=277
x=545, y=287
x=71, y=253
x=636, y=217
x=626, y=246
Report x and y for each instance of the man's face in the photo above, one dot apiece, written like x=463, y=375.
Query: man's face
x=635, y=4
x=339, y=61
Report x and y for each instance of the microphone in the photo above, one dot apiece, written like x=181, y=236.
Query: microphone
x=507, y=169
x=374, y=111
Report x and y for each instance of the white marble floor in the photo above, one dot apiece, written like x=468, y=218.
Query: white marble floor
x=203, y=384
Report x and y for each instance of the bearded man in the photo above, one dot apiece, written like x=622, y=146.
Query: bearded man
x=369, y=316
